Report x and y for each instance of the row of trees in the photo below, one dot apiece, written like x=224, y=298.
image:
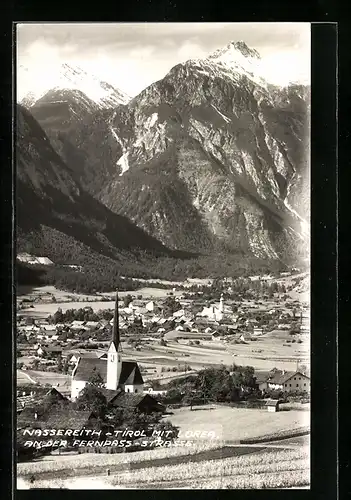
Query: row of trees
x=82, y=314
x=241, y=288
x=214, y=384
x=103, y=274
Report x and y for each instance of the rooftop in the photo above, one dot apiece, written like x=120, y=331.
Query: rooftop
x=130, y=373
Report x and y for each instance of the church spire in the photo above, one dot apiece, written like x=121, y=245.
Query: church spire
x=115, y=328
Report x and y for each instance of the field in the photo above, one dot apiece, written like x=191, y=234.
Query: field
x=55, y=379
x=67, y=300
x=234, y=424
x=264, y=468
x=271, y=353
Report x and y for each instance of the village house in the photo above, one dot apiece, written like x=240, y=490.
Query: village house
x=51, y=352
x=257, y=331
x=285, y=381
x=78, y=325
x=136, y=303
x=150, y=306
x=116, y=373
x=61, y=326
x=29, y=401
x=49, y=335
x=145, y=403
x=93, y=325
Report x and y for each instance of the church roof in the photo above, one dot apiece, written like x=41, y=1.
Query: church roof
x=86, y=367
x=130, y=373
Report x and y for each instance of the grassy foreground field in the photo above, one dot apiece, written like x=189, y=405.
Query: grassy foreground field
x=235, y=469
x=92, y=461
x=271, y=469
x=234, y=424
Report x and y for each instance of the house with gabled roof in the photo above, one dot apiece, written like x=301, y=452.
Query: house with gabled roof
x=35, y=402
x=142, y=402
x=115, y=373
x=286, y=381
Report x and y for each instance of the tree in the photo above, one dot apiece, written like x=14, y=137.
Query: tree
x=173, y=396
x=22, y=338
x=170, y=306
x=96, y=379
x=63, y=336
x=294, y=328
x=35, y=364
x=58, y=316
x=65, y=366
x=91, y=398
x=59, y=363
x=138, y=321
x=127, y=299
x=155, y=384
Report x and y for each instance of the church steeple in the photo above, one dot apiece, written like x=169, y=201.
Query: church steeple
x=115, y=329
x=114, y=357
x=221, y=304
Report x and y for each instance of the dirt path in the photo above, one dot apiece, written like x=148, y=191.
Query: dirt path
x=28, y=377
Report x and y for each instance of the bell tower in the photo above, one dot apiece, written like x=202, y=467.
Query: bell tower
x=221, y=304
x=114, y=357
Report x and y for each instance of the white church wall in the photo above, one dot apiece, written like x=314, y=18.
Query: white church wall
x=76, y=388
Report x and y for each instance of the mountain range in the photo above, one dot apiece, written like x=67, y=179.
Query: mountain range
x=55, y=216
x=211, y=158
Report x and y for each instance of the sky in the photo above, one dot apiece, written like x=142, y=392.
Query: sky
x=131, y=56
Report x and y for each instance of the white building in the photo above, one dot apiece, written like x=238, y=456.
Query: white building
x=257, y=331
x=150, y=306
x=286, y=381
x=115, y=373
x=216, y=312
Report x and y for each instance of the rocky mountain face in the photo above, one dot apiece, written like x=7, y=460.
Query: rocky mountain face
x=210, y=158
x=53, y=212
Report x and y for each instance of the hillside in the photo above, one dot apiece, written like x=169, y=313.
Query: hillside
x=55, y=216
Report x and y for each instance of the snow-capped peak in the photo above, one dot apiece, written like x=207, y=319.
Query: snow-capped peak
x=238, y=56
x=235, y=51
x=233, y=62
x=73, y=77
x=237, y=60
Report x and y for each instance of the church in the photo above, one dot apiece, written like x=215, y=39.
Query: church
x=215, y=313
x=116, y=373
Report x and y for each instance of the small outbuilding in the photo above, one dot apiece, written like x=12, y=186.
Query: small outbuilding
x=272, y=405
